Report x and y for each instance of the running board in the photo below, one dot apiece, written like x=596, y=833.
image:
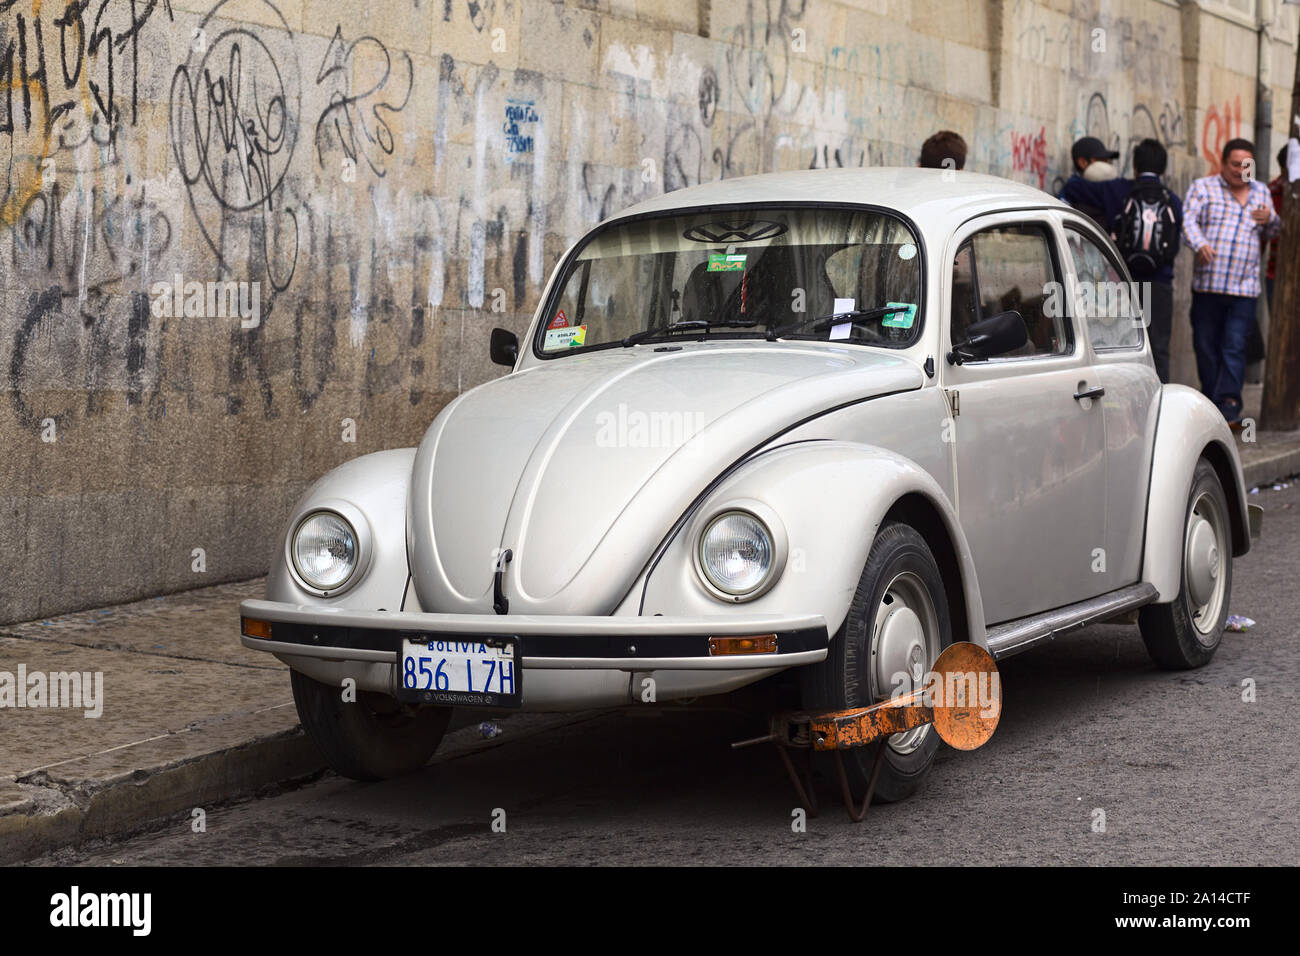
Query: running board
x=1023, y=633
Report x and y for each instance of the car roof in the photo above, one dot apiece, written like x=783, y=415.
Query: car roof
x=937, y=200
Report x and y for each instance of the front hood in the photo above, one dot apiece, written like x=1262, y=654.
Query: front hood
x=581, y=465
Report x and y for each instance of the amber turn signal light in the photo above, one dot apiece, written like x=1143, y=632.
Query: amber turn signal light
x=756, y=644
x=252, y=627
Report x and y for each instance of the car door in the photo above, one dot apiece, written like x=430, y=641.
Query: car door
x=1111, y=309
x=1029, y=442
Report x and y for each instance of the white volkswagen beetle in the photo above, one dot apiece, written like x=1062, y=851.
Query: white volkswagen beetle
x=831, y=420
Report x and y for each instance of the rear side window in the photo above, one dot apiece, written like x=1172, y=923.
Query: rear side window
x=1011, y=268
x=1107, y=303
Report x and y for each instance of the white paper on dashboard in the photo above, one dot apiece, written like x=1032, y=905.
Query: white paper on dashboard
x=844, y=329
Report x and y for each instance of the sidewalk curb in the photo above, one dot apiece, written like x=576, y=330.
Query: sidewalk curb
x=1270, y=469
x=43, y=816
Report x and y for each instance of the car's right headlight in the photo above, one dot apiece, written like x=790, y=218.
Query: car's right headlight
x=325, y=550
x=737, y=553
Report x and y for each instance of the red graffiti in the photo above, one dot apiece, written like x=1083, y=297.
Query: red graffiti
x=1217, y=129
x=1029, y=153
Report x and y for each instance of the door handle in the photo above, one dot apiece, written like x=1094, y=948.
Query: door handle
x=1097, y=391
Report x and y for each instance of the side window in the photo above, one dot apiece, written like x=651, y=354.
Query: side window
x=1014, y=271
x=1107, y=303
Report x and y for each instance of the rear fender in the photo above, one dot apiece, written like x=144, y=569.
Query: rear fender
x=1189, y=428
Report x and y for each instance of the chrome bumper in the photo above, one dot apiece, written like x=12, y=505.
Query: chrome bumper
x=634, y=644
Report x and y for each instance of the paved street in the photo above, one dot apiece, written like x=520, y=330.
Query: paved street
x=1184, y=770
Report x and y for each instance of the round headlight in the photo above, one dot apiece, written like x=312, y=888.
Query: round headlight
x=736, y=553
x=325, y=550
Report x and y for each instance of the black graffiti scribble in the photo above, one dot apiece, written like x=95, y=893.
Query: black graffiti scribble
x=224, y=122
x=1172, y=132
x=67, y=73
x=357, y=120
x=88, y=55
x=1104, y=123
x=128, y=230
x=708, y=96
x=233, y=129
x=40, y=305
x=760, y=68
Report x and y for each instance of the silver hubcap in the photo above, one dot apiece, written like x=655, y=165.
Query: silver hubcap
x=1205, y=566
x=904, y=644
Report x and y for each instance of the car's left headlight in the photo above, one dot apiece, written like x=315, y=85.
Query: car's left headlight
x=325, y=550
x=738, y=554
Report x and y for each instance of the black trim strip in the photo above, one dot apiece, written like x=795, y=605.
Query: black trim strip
x=556, y=646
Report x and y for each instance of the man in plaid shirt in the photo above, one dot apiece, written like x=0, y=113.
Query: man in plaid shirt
x=1225, y=218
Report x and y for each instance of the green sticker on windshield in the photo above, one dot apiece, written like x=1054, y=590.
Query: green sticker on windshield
x=902, y=319
x=720, y=262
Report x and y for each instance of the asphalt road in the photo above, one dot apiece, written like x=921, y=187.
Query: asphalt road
x=1185, y=771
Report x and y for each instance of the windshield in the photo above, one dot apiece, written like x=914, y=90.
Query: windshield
x=809, y=273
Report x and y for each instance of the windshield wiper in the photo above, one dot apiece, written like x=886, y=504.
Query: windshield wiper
x=823, y=322
x=685, y=325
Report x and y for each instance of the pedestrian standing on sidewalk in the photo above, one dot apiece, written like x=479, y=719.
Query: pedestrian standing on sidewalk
x=1144, y=218
x=944, y=150
x=1226, y=218
x=1084, y=153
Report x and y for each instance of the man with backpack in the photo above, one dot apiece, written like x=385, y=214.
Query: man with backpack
x=1144, y=218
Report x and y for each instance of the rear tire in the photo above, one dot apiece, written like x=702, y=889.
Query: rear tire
x=898, y=622
x=1185, y=633
x=373, y=738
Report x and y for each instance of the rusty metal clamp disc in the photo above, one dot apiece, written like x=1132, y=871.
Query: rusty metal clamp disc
x=967, y=695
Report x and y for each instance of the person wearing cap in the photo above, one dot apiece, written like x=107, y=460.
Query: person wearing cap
x=1084, y=153
x=1227, y=218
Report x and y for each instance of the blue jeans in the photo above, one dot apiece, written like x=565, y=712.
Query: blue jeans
x=1220, y=330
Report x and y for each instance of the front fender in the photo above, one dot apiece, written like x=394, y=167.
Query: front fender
x=1189, y=428
x=830, y=497
x=376, y=486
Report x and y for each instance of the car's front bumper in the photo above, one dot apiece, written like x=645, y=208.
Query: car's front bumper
x=604, y=646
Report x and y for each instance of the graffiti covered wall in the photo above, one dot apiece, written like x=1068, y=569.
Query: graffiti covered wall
x=242, y=241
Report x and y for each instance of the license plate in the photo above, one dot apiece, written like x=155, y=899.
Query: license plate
x=461, y=671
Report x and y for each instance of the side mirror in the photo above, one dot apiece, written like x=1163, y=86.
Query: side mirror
x=996, y=335
x=505, y=347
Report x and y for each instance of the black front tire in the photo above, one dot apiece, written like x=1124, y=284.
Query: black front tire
x=372, y=738
x=847, y=678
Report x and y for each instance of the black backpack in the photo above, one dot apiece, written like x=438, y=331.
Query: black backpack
x=1146, y=229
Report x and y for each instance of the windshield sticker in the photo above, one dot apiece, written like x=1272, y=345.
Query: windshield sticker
x=743, y=230
x=902, y=319
x=566, y=338
x=727, y=263
x=560, y=321
x=906, y=251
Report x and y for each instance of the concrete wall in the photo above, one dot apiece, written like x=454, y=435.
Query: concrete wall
x=399, y=176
